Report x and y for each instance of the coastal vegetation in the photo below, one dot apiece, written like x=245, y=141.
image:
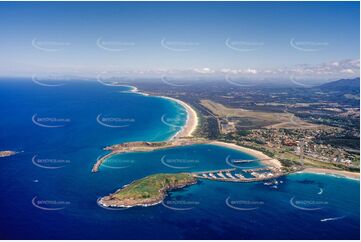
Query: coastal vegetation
x=280, y=140
x=147, y=191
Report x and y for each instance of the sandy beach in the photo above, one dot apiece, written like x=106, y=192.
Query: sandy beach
x=192, y=119
x=192, y=123
x=266, y=160
x=348, y=174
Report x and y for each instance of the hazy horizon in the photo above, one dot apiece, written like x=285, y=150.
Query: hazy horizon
x=305, y=40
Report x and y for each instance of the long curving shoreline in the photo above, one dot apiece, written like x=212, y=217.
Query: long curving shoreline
x=181, y=138
x=191, y=125
x=191, y=122
x=265, y=159
x=192, y=117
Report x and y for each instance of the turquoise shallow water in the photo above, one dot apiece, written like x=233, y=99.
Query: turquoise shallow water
x=303, y=206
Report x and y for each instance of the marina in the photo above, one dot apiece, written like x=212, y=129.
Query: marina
x=230, y=175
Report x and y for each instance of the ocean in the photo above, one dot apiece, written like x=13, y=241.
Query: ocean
x=49, y=192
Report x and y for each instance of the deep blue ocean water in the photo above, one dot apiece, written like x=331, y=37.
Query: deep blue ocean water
x=49, y=192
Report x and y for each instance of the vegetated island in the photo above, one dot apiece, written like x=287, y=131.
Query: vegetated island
x=147, y=191
x=6, y=153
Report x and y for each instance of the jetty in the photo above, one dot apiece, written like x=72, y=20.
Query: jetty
x=227, y=175
x=248, y=161
x=257, y=169
x=142, y=146
x=101, y=160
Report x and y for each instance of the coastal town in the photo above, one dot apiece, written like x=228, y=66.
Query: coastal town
x=302, y=142
x=284, y=145
x=180, y=120
x=315, y=127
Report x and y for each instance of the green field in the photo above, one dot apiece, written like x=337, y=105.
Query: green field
x=249, y=118
x=151, y=186
x=149, y=190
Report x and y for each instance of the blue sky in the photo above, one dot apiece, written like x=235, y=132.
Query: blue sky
x=235, y=37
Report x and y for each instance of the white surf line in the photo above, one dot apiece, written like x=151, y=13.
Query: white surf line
x=191, y=113
x=191, y=121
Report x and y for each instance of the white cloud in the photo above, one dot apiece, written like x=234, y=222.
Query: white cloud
x=326, y=71
x=350, y=71
x=204, y=70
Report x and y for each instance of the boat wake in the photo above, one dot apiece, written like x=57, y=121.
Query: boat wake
x=332, y=219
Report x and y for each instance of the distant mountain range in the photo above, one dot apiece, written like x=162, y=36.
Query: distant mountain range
x=343, y=85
